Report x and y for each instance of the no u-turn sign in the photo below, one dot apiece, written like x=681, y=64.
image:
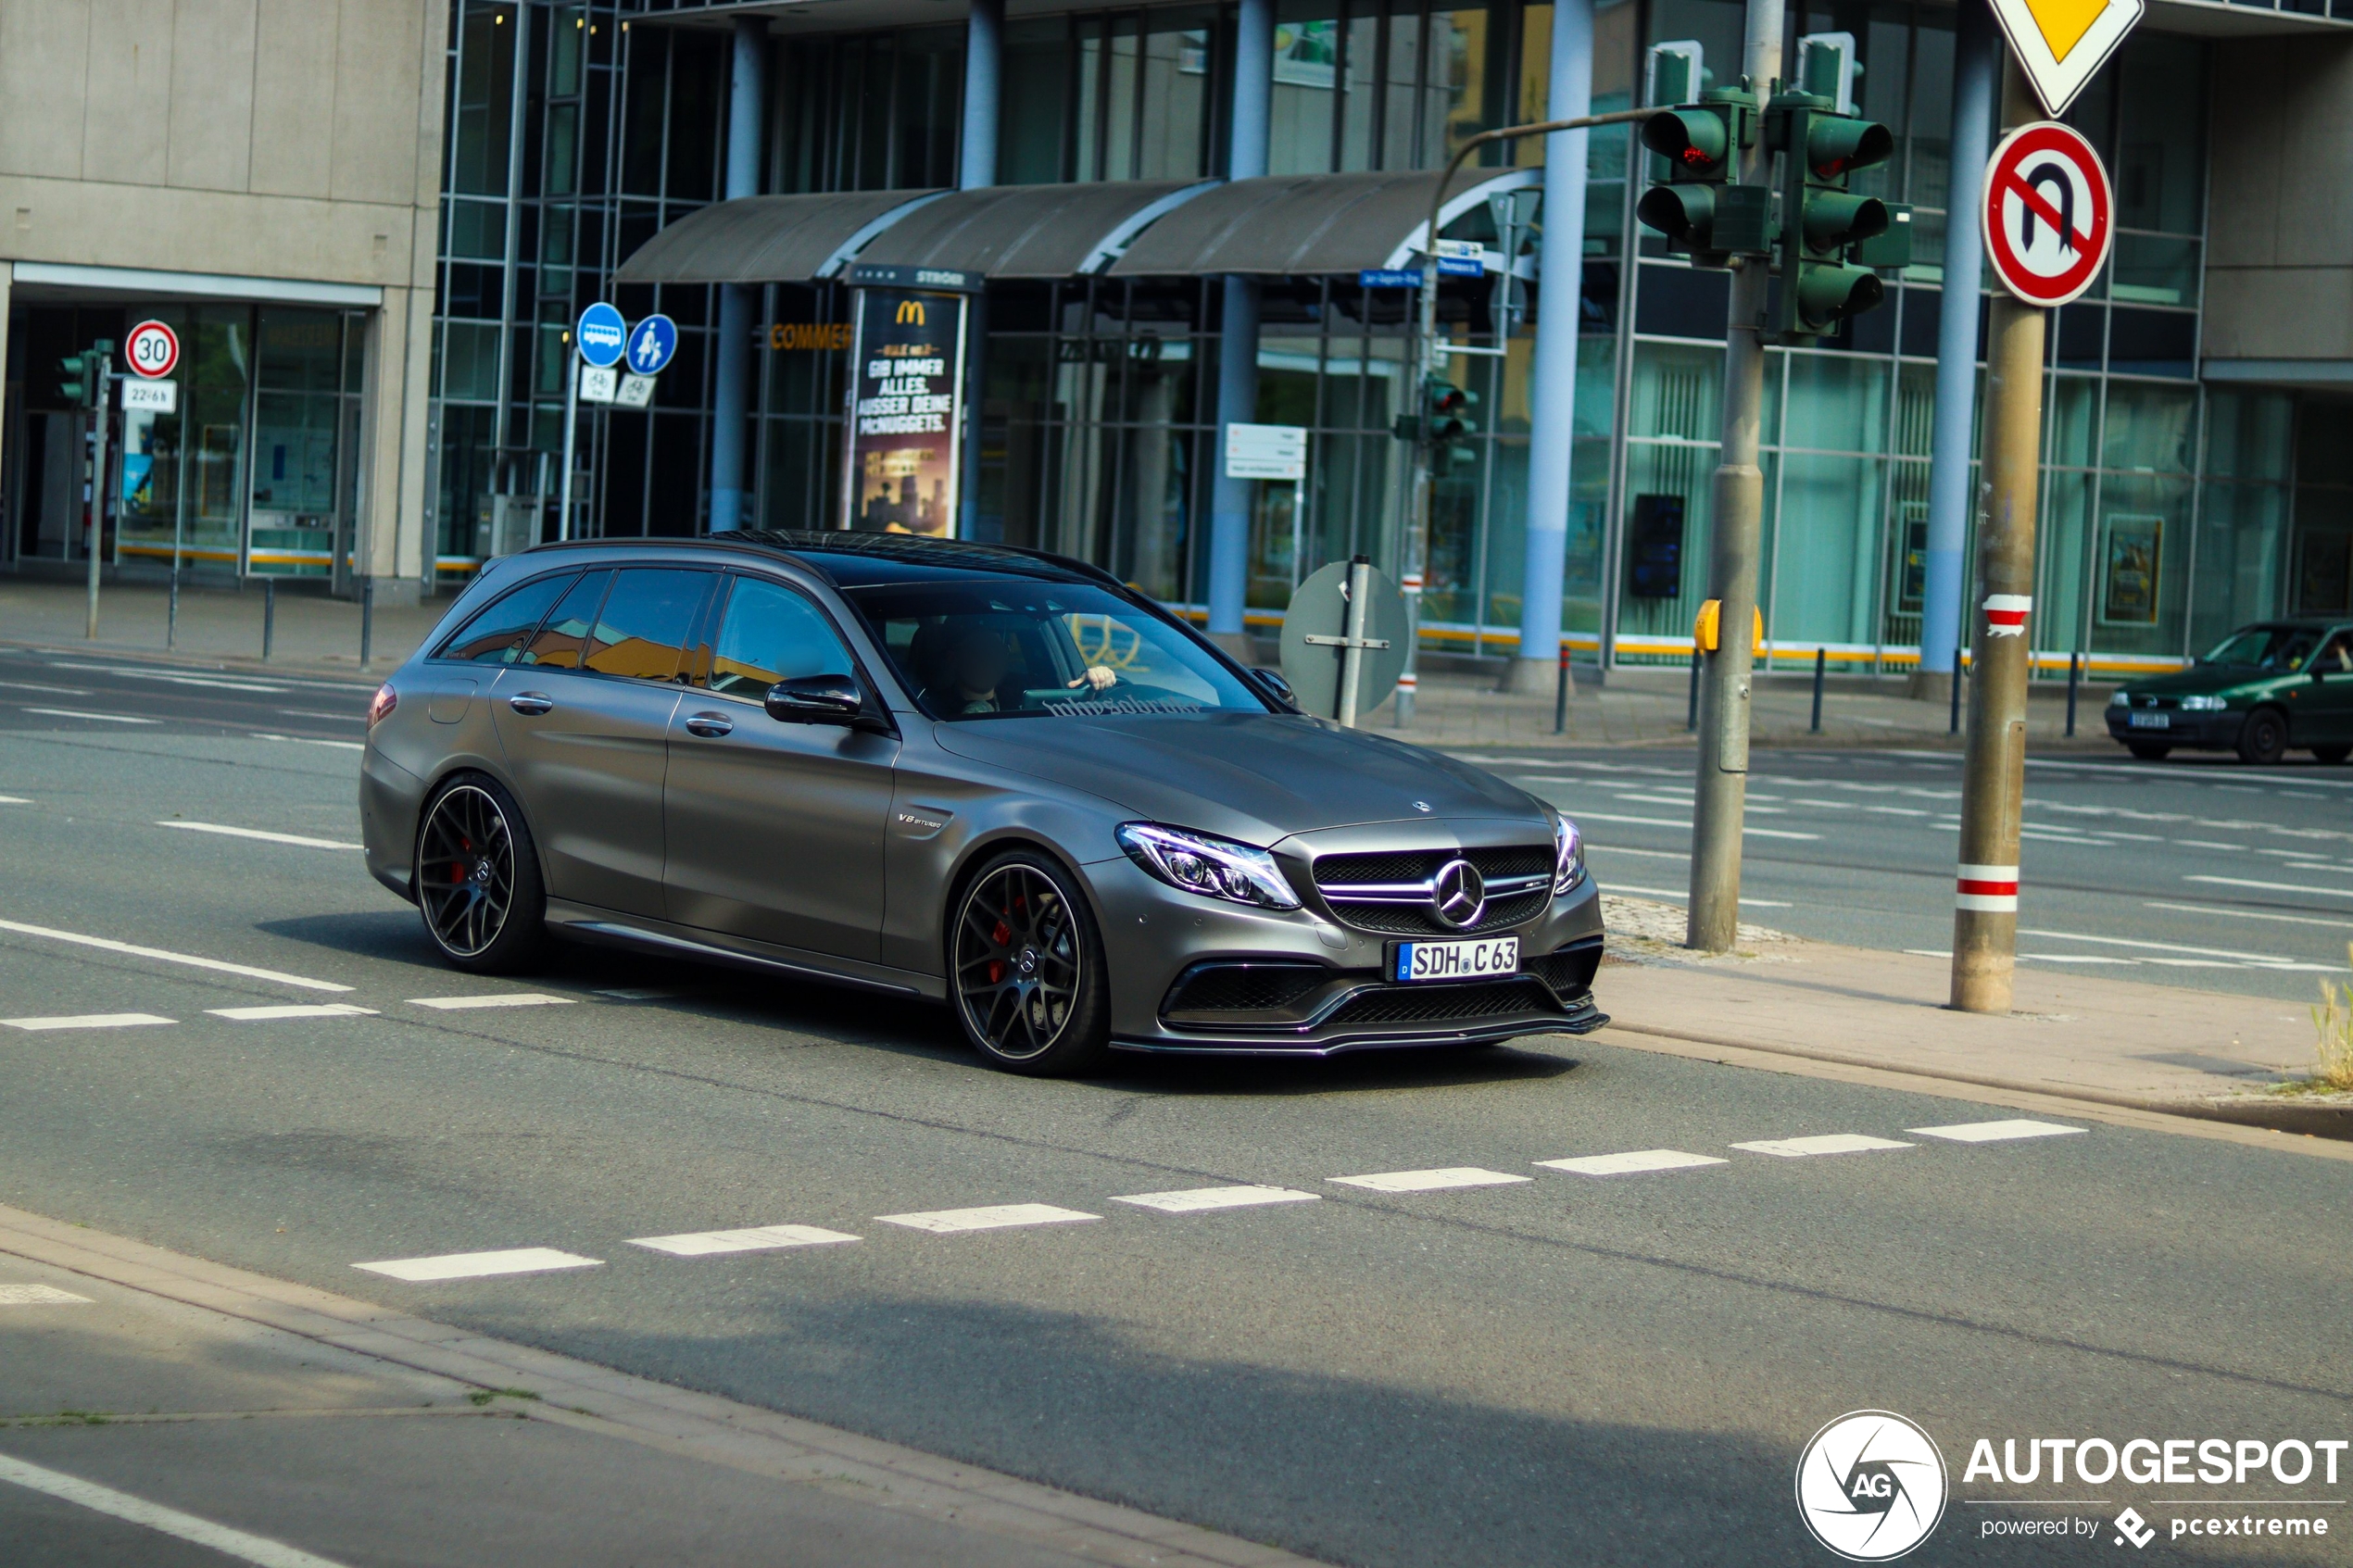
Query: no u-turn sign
x=2048, y=213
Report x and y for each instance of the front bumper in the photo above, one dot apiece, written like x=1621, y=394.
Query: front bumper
x=2196, y=732
x=1183, y=968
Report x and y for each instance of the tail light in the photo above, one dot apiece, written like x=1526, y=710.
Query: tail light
x=380, y=708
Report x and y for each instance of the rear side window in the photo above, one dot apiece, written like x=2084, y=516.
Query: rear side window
x=771, y=633
x=643, y=629
x=556, y=644
x=496, y=634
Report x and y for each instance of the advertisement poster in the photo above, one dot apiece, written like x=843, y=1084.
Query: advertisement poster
x=905, y=450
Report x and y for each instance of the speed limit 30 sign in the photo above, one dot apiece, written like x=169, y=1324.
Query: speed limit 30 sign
x=2049, y=213
x=152, y=348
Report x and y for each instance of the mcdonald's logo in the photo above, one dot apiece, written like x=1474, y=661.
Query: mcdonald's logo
x=911, y=312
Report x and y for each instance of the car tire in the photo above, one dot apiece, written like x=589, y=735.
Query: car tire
x=2263, y=740
x=477, y=878
x=2331, y=755
x=1025, y=969
x=2148, y=750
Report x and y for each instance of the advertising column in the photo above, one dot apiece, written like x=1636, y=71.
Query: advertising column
x=903, y=466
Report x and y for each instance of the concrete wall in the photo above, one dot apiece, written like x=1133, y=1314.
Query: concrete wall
x=282, y=139
x=2279, y=255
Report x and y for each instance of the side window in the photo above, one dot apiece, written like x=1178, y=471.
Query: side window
x=2336, y=655
x=556, y=644
x=771, y=633
x=642, y=630
x=496, y=634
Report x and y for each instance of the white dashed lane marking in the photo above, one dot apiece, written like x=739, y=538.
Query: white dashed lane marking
x=479, y=1265
x=761, y=1239
x=1632, y=1162
x=1430, y=1181
x=164, y=955
x=293, y=1009
x=1825, y=1143
x=88, y=1021
x=505, y=999
x=1002, y=1216
x=91, y=718
x=1995, y=1132
x=1195, y=1199
x=40, y=1296
x=14, y=800
x=293, y=838
x=307, y=740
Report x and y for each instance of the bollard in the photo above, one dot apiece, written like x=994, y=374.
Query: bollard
x=2074, y=677
x=1821, y=656
x=366, y=619
x=1953, y=724
x=1560, y=696
x=1691, y=712
x=268, y=614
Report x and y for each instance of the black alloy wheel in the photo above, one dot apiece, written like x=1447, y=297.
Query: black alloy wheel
x=2264, y=740
x=2148, y=750
x=1027, y=968
x=477, y=878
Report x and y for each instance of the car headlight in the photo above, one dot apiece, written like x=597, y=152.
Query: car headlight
x=2205, y=704
x=1568, y=855
x=2122, y=699
x=1212, y=867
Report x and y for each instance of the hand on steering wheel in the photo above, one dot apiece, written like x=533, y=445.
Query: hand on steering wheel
x=1099, y=677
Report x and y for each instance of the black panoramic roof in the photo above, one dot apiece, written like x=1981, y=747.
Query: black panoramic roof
x=851, y=559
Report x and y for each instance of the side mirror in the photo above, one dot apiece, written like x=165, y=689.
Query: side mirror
x=1280, y=687
x=815, y=699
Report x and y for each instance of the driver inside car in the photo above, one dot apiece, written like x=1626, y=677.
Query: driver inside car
x=977, y=663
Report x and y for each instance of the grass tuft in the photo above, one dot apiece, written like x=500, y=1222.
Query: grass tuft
x=2332, y=1055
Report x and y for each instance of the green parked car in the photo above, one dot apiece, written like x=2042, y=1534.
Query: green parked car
x=2265, y=689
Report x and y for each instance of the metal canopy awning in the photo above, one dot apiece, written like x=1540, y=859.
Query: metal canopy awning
x=1032, y=231
x=1307, y=224
x=770, y=239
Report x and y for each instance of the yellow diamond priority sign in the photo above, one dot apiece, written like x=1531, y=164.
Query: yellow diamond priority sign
x=2062, y=43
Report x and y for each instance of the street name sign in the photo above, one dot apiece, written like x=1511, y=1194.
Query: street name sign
x=2049, y=213
x=2062, y=43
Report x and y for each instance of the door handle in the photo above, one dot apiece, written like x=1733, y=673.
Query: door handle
x=531, y=704
x=711, y=726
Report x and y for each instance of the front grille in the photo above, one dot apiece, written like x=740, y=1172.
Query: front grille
x=1436, y=1004
x=1244, y=987
x=1385, y=891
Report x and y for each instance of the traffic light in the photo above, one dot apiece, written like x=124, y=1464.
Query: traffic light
x=1447, y=425
x=1694, y=201
x=82, y=376
x=1831, y=238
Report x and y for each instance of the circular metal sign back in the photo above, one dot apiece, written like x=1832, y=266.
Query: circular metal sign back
x=1320, y=608
x=2048, y=214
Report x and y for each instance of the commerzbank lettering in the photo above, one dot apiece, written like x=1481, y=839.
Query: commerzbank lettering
x=2148, y=1461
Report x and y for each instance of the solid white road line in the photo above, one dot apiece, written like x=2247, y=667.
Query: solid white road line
x=219, y=966
x=2275, y=887
x=1685, y=892
x=1825, y=1143
x=36, y=686
x=634, y=994
x=295, y=1010
x=307, y=740
x=1430, y=1181
x=1995, y=1132
x=93, y=718
x=2160, y=946
x=88, y=1021
x=224, y=829
x=1632, y=1162
x=40, y=1296
x=259, y=1551
x=759, y=1238
x=1668, y=822
x=479, y=1265
x=1002, y=1216
x=178, y=680
x=1194, y=1200
x=2341, y=922
x=505, y=1000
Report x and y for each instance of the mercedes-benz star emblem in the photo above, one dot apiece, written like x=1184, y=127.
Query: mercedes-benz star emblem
x=1460, y=893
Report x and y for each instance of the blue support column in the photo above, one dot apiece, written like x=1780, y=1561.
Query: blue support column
x=1238, y=335
x=730, y=389
x=1553, y=389
x=976, y=168
x=1976, y=58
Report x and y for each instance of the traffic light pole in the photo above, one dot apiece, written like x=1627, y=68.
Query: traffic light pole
x=1428, y=361
x=1994, y=773
x=1722, y=797
x=100, y=377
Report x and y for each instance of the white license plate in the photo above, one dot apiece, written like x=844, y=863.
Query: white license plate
x=1456, y=961
x=2150, y=720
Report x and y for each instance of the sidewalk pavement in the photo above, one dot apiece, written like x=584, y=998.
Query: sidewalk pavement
x=1645, y=707
x=2085, y=1038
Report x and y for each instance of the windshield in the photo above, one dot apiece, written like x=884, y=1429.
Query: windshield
x=2281, y=649
x=1009, y=648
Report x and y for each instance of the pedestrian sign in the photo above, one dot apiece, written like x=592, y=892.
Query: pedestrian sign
x=602, y=332
x=2062, y=43
x=652, y=342
x=2048, y=215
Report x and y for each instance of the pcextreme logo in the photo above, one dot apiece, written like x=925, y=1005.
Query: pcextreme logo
x=1871, y=1486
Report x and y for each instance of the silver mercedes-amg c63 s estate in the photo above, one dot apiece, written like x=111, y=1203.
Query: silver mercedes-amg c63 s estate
x=990, y=777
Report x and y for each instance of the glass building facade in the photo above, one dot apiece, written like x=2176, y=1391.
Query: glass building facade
x=2172, y=508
